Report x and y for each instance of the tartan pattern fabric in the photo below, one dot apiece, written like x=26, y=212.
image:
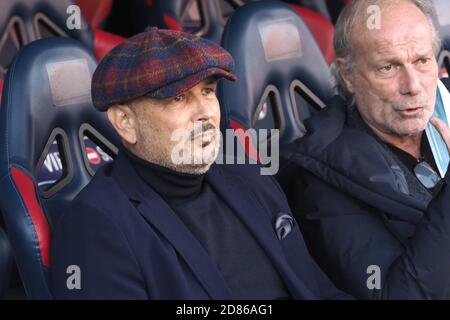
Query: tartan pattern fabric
x=159, y=64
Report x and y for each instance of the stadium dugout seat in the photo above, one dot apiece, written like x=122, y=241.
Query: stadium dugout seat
x=205, y=18
x=208, y=18
x=442, y=24
x=55, y=73
x=282, y=75
x=23, y=21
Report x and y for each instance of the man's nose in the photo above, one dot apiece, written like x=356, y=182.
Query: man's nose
x=203, y=109
x=410, y=81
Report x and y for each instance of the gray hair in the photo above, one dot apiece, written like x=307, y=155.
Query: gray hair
x=343, y=37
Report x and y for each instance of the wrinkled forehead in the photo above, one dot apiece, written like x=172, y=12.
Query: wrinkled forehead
x=400, y=26
x=418, y=42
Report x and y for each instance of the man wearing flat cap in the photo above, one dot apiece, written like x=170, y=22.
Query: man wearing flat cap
x=152, y=227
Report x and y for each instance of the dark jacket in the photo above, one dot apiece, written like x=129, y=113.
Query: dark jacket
x=129, y=244
x=357, y=208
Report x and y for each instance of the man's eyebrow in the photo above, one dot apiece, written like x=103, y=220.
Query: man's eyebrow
x=398, y=60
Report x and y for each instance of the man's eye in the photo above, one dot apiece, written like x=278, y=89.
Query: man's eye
x=179, y=98
x=387, y=68
x=208, y=90
x=424, y=60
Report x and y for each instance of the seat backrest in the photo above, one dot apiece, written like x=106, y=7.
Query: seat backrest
x=282, y=74
x=23, y=21
x=46, y=97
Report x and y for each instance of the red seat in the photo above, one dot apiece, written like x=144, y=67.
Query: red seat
x=55, y=72
x=172, y=23
x=104, y=42
x=321, y=28
x=95, y=11
x=1, y=88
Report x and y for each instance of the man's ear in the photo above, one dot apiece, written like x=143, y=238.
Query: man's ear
x=340, y=65
x=124, y=121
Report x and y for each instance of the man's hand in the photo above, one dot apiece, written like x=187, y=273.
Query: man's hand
x=443, y=130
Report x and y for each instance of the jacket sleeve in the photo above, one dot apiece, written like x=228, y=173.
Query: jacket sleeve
x=91, y=258
x=353, y=245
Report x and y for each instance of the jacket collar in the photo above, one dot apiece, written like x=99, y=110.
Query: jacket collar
x=373, y=176
x=158, y=214
x=161, y=217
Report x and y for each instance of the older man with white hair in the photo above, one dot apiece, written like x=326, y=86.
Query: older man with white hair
x=363, y=181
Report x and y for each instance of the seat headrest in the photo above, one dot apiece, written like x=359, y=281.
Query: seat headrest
x=274, y=52
x=23, y=21
x=46, y=96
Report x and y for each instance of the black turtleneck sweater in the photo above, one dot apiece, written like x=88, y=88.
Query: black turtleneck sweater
x=245, y=267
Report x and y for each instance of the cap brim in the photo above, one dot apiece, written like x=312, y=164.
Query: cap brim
x=176, y=88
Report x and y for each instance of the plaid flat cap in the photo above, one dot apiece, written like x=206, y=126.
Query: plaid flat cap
x=158, y=64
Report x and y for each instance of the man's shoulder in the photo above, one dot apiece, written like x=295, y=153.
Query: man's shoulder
x=334, y=134
x=101, y=195
x=100, y=187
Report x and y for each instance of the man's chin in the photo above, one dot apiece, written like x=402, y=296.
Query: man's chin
x=193, y=168
x=198, y=160
x=410, y=127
